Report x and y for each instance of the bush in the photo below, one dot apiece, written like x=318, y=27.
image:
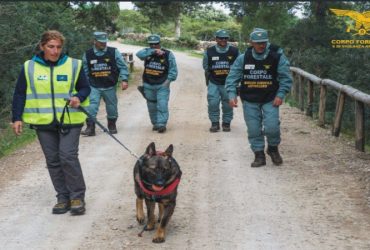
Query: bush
x=188, y=41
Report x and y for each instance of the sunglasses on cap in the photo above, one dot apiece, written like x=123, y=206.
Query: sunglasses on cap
x=222, y=38
x=153, y=44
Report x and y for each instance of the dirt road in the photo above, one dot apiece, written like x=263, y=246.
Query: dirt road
x=316, y=200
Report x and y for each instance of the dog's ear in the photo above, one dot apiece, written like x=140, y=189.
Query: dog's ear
x=150, y=150
x=169, y=151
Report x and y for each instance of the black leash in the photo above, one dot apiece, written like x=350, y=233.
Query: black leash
x=83, y=110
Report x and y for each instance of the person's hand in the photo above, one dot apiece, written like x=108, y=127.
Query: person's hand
x=277, y=102
x=74, y=102
x=159, y=52
x=233, y=103
x=124, y=85
x=17, y=127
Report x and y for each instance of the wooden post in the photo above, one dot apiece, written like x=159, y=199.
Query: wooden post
x=338, y=114
x=322, y=105
x=301, y=92
x=296, y=86
x=309, y=110
x=360, y=124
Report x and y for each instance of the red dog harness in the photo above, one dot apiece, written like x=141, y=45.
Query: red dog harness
x=169, y=189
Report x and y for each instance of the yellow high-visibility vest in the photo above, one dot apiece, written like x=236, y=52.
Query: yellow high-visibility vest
x=47, y=89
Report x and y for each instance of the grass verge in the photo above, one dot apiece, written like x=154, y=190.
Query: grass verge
x=10, y=142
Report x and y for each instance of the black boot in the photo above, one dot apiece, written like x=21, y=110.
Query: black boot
x=90, y=128
x=259, y=159
x=273, y=152
x=215, y=127
x=226, y=127
x=112, y=126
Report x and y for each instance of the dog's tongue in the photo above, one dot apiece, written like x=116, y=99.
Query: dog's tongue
x=156, y=188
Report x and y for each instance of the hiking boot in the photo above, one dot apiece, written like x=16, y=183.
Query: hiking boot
x=61, y=207
x=162, y=129
x=112, y=126
x=273, y=152
x=226, y=127
x=259, y=159
x=90, y=128
x=215, y=127
x=77, y=207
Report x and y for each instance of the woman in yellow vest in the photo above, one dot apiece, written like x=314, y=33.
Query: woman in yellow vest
x=43, y=85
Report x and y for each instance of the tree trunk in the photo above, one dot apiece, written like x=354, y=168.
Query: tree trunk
x=178, y=27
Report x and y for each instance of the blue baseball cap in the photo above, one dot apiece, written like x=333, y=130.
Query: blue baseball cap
x=222, y=34
x=259, y=35
x=101, y=36
x=154, y=38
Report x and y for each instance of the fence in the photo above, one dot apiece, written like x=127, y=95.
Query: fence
x=302, y=78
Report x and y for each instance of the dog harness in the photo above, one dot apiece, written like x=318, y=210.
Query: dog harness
x=166, y=191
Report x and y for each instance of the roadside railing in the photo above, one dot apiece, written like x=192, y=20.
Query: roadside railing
x=302, y=78
x=129, y=58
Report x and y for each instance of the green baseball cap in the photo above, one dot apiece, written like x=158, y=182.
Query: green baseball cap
x=101, y=36
x=154, y=38
x=222, y=33
x=259, y=35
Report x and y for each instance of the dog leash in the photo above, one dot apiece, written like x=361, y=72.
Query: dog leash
x=83, y=110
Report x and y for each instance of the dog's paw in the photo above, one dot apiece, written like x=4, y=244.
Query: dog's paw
x=140, y=219
x=158, y=240
x=159, y=236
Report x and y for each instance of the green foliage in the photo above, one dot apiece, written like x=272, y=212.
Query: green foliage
x=204, y=29
x=9, y=142
x=187, y=41
x=308, y=44
x=131, y=21
x=276, y=17
x=97, y=16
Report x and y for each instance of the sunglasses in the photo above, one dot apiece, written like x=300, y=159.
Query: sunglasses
x=223, y=38
x=153, y=44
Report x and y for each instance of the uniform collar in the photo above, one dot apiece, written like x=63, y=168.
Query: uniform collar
x=263, y=55
x=222, y=49
x=39, y=58
x=102, y=51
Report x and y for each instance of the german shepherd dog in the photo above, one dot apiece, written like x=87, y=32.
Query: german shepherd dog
x=156, y=176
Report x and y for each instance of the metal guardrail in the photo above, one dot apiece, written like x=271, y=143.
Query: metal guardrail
x=301, y=77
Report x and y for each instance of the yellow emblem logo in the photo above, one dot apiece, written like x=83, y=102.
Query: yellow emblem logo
x=267, y=67
x=360, y=22
x=107, y=59
x=230, y=57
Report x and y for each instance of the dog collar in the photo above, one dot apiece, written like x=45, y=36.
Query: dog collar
x=168, y=190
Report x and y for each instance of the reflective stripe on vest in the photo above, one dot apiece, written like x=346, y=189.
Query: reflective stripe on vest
x=47, y=89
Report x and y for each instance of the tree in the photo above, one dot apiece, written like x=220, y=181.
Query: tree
x=162, y=12
x=101, y=16
x=273, y=16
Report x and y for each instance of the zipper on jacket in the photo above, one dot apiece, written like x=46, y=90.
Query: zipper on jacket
x=52, y=92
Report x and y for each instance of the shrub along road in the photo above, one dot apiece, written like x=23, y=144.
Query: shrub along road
x=315, y=200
